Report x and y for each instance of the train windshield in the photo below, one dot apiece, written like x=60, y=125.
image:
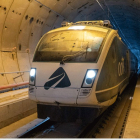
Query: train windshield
x=71, y=46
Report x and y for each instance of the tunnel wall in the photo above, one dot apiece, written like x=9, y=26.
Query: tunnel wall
x=23, y=23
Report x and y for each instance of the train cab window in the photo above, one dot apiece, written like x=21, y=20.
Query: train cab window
x=71, y=45
x=114, y=45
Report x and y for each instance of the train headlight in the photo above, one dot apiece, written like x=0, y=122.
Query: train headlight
x=32, y=76
x=32, y=72
x=91, y=74
x=89, y=78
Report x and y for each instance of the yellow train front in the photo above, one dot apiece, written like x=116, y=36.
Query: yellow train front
x=79, y=70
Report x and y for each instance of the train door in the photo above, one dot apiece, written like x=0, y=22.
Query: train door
x=128, y=62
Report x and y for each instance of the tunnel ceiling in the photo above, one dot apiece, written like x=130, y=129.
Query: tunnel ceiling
x=23, y=22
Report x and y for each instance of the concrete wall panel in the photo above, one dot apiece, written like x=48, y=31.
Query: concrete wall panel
x=59, y=6
x=24, y=64
x=50, y=3
x=3, y=80
x=37, y=29
x=10, y=65
x=46, y=28
x=66, y=12
x=28, y=105
x=15, y=110
x=12, y=24
x=49, y=23
x=58, y=22
x=77, y=6
x=77, y=3
x=5, y=5
x=3, y=112
x=73, y=14
x=26, y=25
x=51, y=19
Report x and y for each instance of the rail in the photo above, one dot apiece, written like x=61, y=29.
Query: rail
x=13, y=85
x=14, y=72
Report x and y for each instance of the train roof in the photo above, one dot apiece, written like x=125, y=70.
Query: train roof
x=105, y=23
x=99, y=25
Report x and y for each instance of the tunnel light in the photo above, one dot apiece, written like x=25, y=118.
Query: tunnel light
x=77, y=27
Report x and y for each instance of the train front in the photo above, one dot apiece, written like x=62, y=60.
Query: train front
x=65, y=68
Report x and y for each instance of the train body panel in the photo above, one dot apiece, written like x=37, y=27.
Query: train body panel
x=133, y=63
x=70, y=88
x=79, y=68
x=114, y=73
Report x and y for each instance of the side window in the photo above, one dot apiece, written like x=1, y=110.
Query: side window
x=113, y=46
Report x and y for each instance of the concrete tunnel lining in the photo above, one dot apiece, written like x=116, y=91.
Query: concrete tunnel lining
x=24, y=22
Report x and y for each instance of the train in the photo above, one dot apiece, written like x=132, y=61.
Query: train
x=79, y=70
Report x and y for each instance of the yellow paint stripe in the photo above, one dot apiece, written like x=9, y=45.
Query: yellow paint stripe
x=111, y=87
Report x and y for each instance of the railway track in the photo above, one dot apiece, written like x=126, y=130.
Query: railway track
x=111, y=124
x=40, y=127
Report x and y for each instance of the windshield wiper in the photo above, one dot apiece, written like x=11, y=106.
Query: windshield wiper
x=69, y=57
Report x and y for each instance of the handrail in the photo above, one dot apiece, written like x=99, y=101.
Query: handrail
x=13, y=85
x=16, y=84
x=13, y=72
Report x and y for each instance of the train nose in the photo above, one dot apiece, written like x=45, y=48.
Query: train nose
x=59, y=79
x=63, y=83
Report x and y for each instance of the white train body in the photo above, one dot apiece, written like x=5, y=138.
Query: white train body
x=71, y=76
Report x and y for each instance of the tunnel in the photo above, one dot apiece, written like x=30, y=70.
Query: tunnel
x=23, y=23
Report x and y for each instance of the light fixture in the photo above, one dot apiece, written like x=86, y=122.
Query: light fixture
x=77, y=27
x=91, y=74
x=89, y=78
x=32, y=76
x=32, y=72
